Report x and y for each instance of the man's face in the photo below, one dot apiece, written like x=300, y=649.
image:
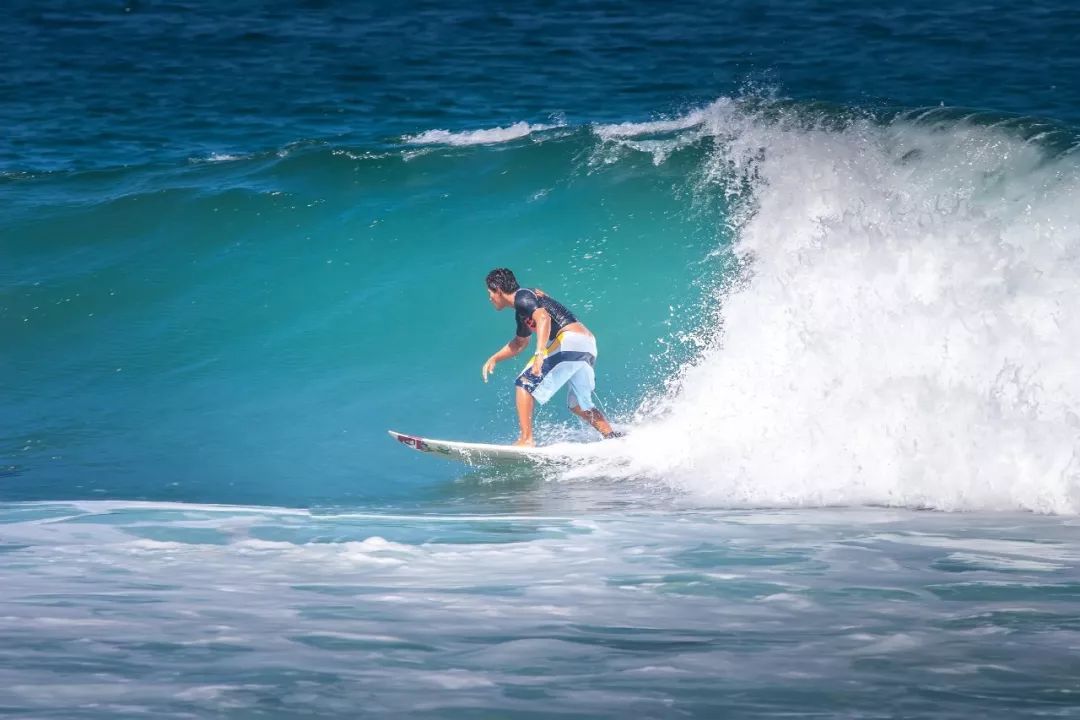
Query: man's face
x=495, y=299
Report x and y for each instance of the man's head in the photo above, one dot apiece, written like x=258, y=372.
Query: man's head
x=501, y=286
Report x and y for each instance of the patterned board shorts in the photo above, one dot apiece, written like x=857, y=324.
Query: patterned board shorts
x=570, y=359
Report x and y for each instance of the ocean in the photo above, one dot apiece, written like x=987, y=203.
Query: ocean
x=828, y=252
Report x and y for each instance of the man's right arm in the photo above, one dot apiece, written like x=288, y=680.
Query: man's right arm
x=508, y=350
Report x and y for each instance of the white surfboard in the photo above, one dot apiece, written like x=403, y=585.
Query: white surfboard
x=484, y=454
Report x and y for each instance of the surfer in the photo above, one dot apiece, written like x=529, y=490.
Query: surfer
x=565, y=354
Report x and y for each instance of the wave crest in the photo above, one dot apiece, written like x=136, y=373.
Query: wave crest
x=489, y=136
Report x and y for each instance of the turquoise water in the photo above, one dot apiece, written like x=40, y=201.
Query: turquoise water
x=829, y=253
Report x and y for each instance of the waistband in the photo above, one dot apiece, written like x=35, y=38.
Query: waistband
x=572, y=341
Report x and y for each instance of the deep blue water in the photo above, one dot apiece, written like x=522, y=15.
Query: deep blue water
x=106, y=84
x=830, y=252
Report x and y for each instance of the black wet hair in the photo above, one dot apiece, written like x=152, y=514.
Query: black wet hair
x=502, y=280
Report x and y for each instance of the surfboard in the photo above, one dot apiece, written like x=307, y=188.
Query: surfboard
x=482, y=454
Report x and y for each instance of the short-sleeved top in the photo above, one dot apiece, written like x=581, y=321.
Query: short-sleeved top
x=525, y=303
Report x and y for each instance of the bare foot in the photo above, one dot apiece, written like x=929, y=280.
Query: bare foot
x=524, y=442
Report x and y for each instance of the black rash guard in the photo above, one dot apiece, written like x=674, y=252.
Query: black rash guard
x=525, y=303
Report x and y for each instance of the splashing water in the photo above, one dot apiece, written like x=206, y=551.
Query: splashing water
x=900, y=333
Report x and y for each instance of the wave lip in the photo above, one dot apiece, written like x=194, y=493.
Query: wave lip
x=692, y=119
x=486, y=136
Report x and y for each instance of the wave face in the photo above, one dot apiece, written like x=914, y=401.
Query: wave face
x=246, y=328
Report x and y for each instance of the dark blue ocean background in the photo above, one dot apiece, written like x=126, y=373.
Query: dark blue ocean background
x=115, y=84
x=831, y=253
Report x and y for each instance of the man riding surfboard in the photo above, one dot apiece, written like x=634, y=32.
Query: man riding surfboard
x=565, y=354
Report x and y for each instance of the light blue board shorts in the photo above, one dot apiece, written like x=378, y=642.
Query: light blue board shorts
x=570, y=360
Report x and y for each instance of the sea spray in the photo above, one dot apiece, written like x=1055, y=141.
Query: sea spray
x=902, y=330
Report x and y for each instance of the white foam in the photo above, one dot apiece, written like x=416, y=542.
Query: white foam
x=229, y=627
x=218, y=157
x=487, y=136
x=1002, y=563
x=694, y=118
x=904, y=332
x=1059, y=555
x=455, y=680
x=899, y=642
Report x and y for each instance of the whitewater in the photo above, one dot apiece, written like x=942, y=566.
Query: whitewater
x=897, y=330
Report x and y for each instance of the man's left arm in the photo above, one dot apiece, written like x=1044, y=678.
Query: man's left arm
x=543, y=332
